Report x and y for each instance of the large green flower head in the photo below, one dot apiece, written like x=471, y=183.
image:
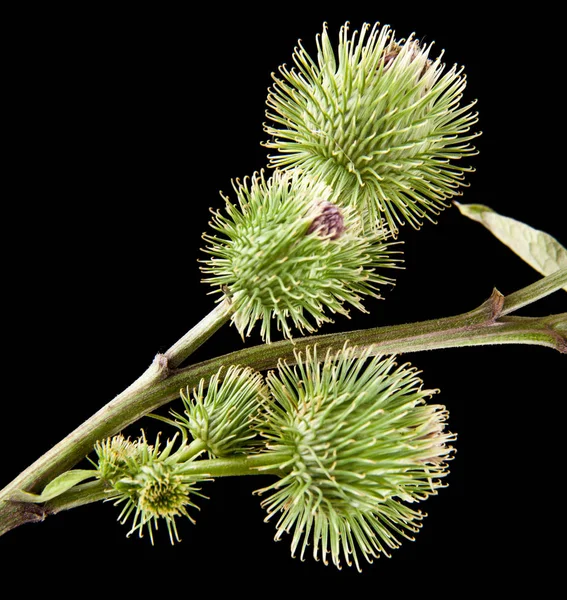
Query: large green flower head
x=356, y=444
x=379, y=121
x=288, y=254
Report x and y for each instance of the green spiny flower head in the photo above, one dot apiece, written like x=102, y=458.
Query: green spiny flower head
x=151, y=483
x=221, y=416
x=356, y=444
x=286, y=252
x=114, y=454
x=379, y=121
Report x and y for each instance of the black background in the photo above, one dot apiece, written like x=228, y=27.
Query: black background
x=120, y=131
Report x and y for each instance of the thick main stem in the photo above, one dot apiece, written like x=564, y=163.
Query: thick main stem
x=134, y=402
x=159, y=384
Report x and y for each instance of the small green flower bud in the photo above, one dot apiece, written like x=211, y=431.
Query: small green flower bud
x=287, y=253
x=149, y=482
x=162, y=493
x=356, y=443
x=379, y=121
x=221, y=416
x=114, y=454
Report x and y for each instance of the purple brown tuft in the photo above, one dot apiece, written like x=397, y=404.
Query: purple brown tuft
x=329, y=221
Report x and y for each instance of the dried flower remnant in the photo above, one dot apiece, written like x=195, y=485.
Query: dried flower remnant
x=328, y=222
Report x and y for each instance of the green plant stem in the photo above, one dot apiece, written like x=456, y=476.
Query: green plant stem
x=256, y=464
x=535, y=291
x=126, y=408
x=199, y=334
x=195, y=448
x=160, y=384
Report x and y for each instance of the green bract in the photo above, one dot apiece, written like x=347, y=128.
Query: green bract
x=355, y=442
x=284, y=252
x=221, y=416
x=379, y=121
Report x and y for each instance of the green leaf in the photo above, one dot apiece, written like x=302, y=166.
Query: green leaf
x=55, y=488
x=539, y=249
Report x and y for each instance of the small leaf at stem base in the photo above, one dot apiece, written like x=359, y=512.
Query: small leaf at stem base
x=55, y=488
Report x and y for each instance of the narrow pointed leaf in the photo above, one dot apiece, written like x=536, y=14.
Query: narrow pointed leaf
x=539, y=249
x=55, y=488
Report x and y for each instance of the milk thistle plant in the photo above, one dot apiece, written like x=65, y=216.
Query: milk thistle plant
x=367, y=136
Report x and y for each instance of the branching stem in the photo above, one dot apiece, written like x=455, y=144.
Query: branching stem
x=486, y=325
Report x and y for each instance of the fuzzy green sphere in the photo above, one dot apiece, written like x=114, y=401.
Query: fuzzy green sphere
x=356, y=443
x=285, y=253
x=379, y=121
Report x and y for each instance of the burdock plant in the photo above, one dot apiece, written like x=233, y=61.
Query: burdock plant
x=367, y=135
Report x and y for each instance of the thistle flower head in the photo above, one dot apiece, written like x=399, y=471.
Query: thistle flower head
x=151, y=483
x=356, y=443
x=379, y=121
x=286, y=253
x=222, y=415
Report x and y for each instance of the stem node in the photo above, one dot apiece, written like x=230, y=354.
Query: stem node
x=160, y=366
x=495, y=304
